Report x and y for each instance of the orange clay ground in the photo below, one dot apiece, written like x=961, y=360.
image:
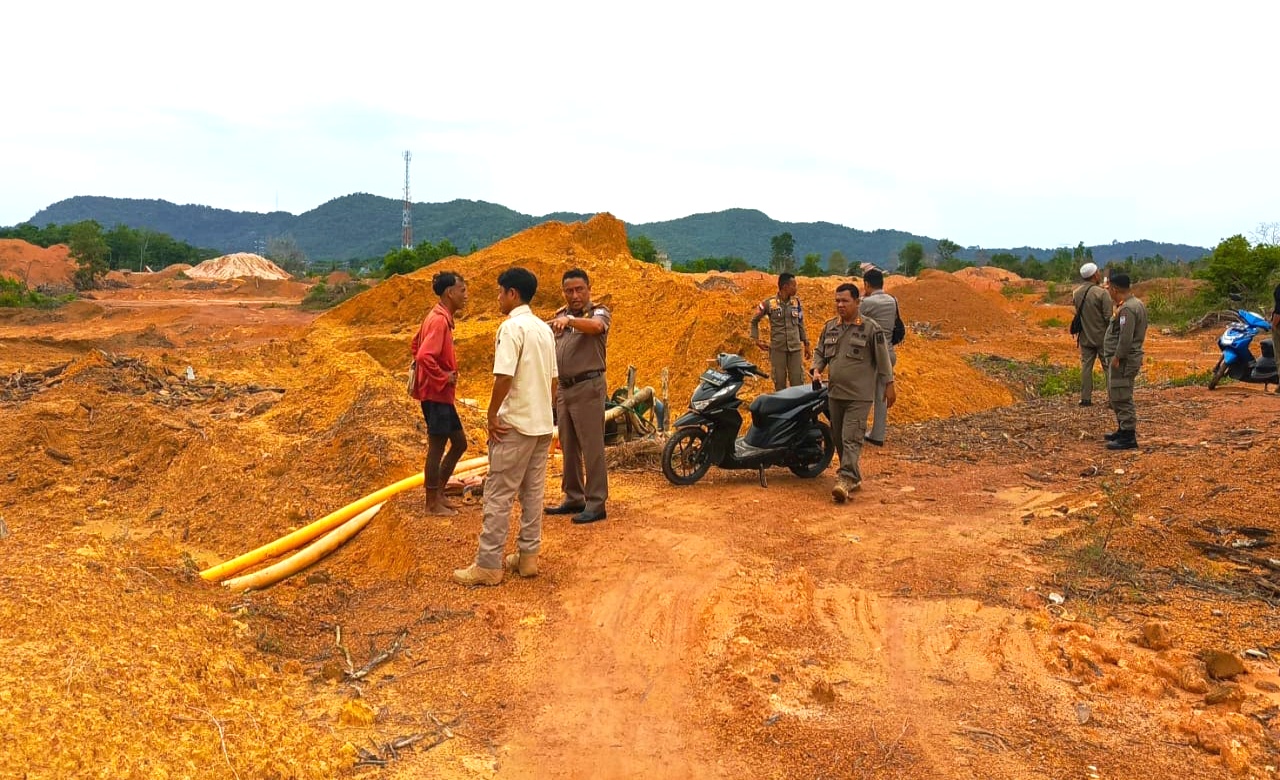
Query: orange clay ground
x=1003, y=599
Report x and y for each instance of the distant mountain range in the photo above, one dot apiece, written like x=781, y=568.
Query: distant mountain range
x=364, y=226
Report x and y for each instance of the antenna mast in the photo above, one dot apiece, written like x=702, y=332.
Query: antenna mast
x=406, y=220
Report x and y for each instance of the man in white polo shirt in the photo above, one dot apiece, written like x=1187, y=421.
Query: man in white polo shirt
x=520, y=427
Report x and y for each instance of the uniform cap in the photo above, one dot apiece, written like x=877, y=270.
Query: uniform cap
x=1088, y=270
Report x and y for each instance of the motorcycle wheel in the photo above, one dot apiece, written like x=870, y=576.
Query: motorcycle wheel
x=815, y=466
x=684, y=460
x=1219, y=371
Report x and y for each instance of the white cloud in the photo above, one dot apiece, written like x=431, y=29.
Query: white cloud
x=992, y=123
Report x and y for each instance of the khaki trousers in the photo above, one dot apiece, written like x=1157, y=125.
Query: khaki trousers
x=517, y=467
x=580, y=411
x=786, y=366
x=848, y=424
x=1087, y=356
x=1120, y=391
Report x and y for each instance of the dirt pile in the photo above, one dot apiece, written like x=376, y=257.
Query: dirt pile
x=661, y=320
x=35, y=266
x=239, y=265
x=951, y=305
x=988, y=278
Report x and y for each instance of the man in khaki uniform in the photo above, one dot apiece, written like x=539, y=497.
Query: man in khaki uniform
x=582, y=335
x=1123, y=348
x=787, y=338
x=1094, y=305
x=882, y=307
x=855, y=352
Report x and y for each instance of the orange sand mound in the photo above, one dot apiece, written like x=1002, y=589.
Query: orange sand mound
x=952, y=305
x=36, y=266
x=661, y=320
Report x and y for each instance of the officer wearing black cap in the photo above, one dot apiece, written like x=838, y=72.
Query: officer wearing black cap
x=1123, y=350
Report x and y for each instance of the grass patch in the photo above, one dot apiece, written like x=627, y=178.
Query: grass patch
x=323, y=296
x=1017, y=290
x=1196, y=378
x=16, y=295
x=1053, y=322
x=1175, y=312
x=1034, y=378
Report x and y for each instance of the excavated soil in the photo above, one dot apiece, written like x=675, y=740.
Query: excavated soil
x=1005, y=598
x=37, y=267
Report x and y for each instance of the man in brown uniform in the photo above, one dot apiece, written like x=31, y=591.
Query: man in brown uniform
x=1093, y=305
x=855, y=350
x=582, y=335
x=786, y=333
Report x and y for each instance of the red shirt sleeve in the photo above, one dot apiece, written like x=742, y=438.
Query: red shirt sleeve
x=430, y=346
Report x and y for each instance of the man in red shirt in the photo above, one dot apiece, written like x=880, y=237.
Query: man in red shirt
x=436, y=387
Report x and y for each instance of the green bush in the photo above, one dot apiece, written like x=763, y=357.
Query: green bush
x=15, y=295
x=322, y=296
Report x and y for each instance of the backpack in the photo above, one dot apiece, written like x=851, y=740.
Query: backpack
x=1076, y=326
x=899, y=329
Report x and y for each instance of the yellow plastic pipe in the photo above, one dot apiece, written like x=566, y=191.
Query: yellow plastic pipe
x=325, y=524
x=304, y=557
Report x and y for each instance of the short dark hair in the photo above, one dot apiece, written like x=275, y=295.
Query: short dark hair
x=848, y=287
x=785, y=277
x=1120, y=281
x=576, y=273
x=521, y=280
x=874, y=278
x=444, y=280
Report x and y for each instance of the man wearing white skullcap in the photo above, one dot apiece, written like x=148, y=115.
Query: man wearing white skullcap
x=1093, y=313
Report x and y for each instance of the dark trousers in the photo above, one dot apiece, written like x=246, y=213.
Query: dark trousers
x=580, y=413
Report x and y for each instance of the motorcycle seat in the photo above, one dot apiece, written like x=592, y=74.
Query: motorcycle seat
x=783, y=400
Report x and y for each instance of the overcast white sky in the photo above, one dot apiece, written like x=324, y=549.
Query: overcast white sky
x=997, y=124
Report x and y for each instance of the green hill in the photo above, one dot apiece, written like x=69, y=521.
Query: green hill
x=364, y=226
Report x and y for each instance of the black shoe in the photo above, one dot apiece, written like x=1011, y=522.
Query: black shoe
x=1113, y=435
x=1086, y=402
x=1127, y=440
x=563, y=509
x=876, y=442
x=582, y=518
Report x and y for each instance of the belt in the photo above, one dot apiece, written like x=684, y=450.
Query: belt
x=573, y=380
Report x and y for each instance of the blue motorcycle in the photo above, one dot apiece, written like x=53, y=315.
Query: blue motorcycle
x=1237, y=359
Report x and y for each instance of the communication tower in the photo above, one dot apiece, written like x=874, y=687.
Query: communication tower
x=406, y=220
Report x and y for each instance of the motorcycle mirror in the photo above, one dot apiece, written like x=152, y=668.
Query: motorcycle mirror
x=1237, y=297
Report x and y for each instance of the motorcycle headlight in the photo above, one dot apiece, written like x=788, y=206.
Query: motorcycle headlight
x=698, y=406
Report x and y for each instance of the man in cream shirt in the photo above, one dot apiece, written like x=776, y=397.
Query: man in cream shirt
x=520, y=428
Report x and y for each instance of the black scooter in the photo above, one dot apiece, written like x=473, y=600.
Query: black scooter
x=785, y=429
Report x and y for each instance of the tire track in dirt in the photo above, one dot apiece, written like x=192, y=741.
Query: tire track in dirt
x=617, y=683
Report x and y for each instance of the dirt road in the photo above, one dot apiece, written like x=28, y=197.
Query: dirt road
x=1003, y=599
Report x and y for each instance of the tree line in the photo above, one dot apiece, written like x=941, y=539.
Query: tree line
x=1236, y=266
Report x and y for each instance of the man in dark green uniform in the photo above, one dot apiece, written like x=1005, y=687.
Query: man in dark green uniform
x=786, y=333
x=855, y=352
x=1122, y=348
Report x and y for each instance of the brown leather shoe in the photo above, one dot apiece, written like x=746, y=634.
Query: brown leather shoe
x=475, y=575
x=840, y=491
x=524, y=564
